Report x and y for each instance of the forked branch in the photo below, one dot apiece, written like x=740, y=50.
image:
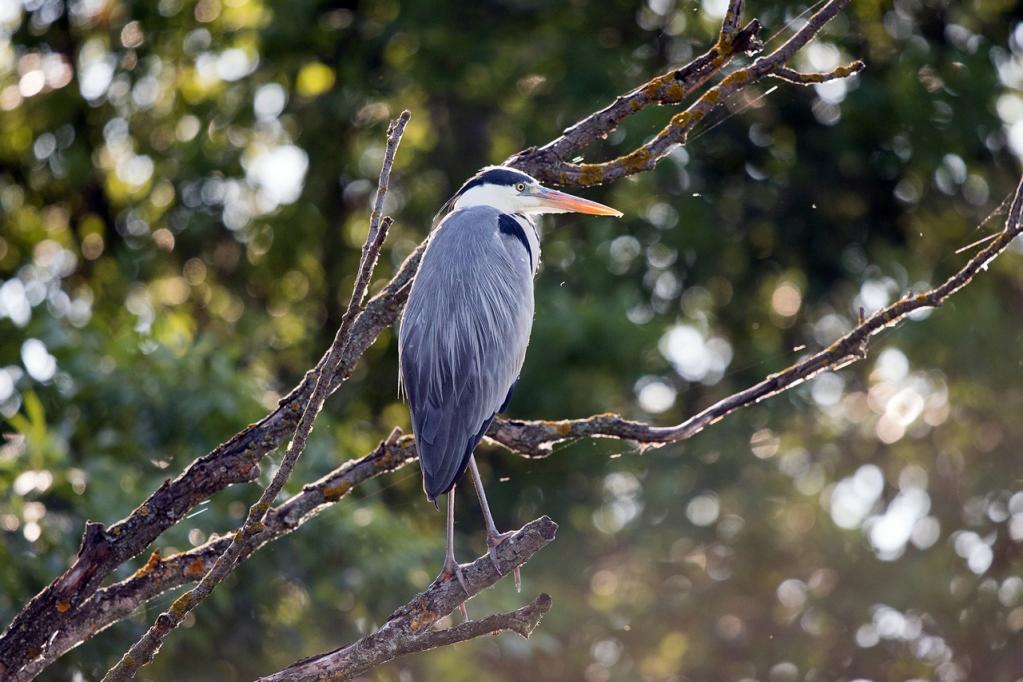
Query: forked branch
x=672, y=87
x=143, y=651
x=554, y=167
x=409, y=628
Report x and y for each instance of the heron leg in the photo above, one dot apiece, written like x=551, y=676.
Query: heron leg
x=451, y=566
x=494, y=538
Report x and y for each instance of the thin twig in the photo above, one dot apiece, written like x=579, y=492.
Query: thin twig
x=730, y=24
x=405, y=628
x=143, y=651
x=800, y=78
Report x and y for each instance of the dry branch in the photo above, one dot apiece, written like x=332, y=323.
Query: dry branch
x=521, y=621
x=143, y=651
x=57, y=611
x=547, y=163
x=800, y=78
x=405, y=629
x=160, y=574
x=730, y=24
x=536, y=437
x=648, y=155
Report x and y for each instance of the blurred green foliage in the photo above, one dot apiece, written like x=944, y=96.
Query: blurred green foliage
x=183, y=190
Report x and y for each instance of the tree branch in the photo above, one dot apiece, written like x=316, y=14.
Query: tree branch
x=730, y=24
x=53, y=614
x=159, y=574
x=143, y=651
x=799, y=78
x=523, y=621
x=406, y=628
x=537, y=437
x=646, y=156
x=668, y=88
x=236, y=461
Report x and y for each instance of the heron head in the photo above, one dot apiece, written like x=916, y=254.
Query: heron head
x=512, y=191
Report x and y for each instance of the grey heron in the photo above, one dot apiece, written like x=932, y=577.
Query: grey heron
x=466, y=325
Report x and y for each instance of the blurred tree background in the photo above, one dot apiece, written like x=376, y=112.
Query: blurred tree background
x=183, y=191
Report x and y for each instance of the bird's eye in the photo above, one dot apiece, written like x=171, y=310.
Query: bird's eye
x=521, y=187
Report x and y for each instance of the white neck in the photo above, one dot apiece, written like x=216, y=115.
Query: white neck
x=497, y=196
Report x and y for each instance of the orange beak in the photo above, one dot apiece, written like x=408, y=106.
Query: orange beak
x=554, y=199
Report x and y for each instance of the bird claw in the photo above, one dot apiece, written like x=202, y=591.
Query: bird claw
x=493, y=541
x=453, y=568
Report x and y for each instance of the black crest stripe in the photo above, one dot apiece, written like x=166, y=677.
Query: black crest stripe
x=495, y=176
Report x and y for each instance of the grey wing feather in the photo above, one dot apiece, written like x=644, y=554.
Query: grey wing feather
x=463, y=339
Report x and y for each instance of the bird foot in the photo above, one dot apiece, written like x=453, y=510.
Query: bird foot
x=493, y=541
x=453, y=568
